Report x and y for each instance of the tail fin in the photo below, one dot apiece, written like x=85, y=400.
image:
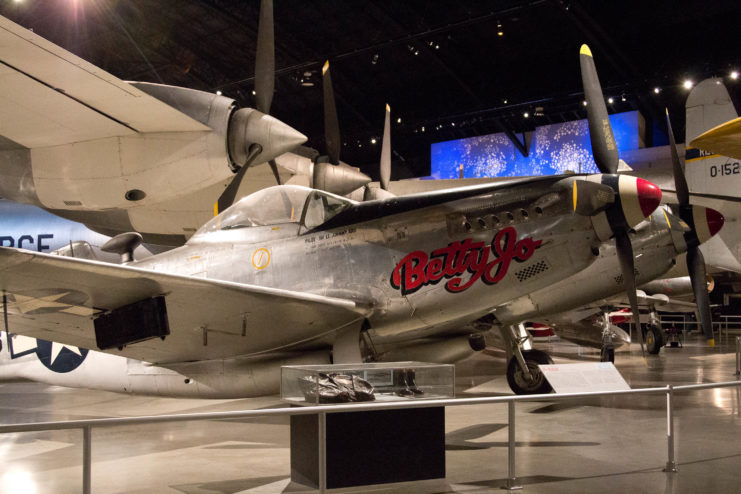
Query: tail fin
x=708, y=106
x=713, y=179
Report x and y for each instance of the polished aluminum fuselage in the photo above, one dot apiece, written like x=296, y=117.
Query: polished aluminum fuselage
x=422, y=271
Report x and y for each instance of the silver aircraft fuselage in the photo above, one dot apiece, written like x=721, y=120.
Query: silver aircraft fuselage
x=420, y=269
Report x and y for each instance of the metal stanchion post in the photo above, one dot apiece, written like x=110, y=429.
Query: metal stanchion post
x=671, y=465
x=87, y=448
x=511, y=479
x=738, y=355
x=322, y=432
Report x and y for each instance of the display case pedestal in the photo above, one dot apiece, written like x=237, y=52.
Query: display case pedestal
x=372, y=447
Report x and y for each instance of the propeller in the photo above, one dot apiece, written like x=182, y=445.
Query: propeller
x=695, y=259
x=626, y=259
x=248, y=127
x=329, y=173
x=604, y=147
x=605, y=152
x=331, y=123
x=386, y=151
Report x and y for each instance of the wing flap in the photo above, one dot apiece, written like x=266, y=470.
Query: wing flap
x=48, y=96
x=52, y=297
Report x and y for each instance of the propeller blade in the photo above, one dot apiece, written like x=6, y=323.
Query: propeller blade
x=696, y=269
x=331, y=124
x=230, y=193
x=386, y=151
x=604, y=148
x=625, y=256
x=274, y=167
x=680, y=182
x=265, y=58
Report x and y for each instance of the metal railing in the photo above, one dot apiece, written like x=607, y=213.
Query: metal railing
x=723, y=325
x=322, y=411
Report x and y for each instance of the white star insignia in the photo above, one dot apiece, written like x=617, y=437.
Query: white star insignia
x=57, y=347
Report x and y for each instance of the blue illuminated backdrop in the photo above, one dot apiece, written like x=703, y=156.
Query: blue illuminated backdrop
x=554, y=149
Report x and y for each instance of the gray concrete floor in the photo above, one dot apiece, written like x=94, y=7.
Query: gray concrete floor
x=611, y=444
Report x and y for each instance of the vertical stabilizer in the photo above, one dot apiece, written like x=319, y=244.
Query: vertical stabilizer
x=716, y=177
x=708, y=106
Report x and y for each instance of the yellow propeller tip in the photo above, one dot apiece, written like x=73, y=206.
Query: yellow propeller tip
x=388, y=108
x=711, y=342
x=585, y=51
x=325, y=68
x=575, y=195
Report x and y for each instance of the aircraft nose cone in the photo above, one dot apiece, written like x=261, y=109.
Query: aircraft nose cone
x=715, y=221
x=638, y=198
x=249, y=127
x=649, y=196
x=707, y=222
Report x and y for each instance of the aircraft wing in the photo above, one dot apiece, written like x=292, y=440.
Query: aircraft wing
x=725, y=139
x=56, y=298
x=48, y=96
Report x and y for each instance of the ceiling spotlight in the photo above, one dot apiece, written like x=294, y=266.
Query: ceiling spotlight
x=218, y=93
x=416, y=52
x=398, y=120
x=437, y=47
x=687, y=84
x=374, y=60
x=373, y=140
x=657, y=90
x=500, y=31
x=253, y=92
x=452, y=124
x=504, y=101
x=526, y=115
x=423, y=128
x=610, y=100
x=622, y=98
x=584, y=103
x=734, y=75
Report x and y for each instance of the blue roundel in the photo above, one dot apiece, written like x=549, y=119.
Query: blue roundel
x=59, y=358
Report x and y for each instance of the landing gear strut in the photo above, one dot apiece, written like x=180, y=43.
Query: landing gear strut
x=523, y=374
x=607, y=354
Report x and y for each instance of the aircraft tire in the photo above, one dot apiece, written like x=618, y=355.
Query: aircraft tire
x=654, y=340
x=516, y=379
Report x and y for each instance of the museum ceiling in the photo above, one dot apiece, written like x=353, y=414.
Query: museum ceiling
x=441, y=65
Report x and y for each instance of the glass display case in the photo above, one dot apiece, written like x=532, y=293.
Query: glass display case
x=349, y=383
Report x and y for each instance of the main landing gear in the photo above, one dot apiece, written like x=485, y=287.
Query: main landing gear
x=654, y=334
x=607, y=354
x=523, y=374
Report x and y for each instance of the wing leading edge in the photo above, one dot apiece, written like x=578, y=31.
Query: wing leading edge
x=54, y=298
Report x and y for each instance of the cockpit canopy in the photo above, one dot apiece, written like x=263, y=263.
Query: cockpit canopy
x=280, y=204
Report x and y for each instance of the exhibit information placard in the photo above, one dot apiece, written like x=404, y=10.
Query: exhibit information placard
x=584, y=377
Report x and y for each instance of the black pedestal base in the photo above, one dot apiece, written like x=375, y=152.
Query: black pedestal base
x=365, y=448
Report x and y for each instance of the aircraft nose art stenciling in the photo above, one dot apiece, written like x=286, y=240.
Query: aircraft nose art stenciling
x=54, y=356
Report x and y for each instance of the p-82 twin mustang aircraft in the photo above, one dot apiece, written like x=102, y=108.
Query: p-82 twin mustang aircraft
x=290, y=271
